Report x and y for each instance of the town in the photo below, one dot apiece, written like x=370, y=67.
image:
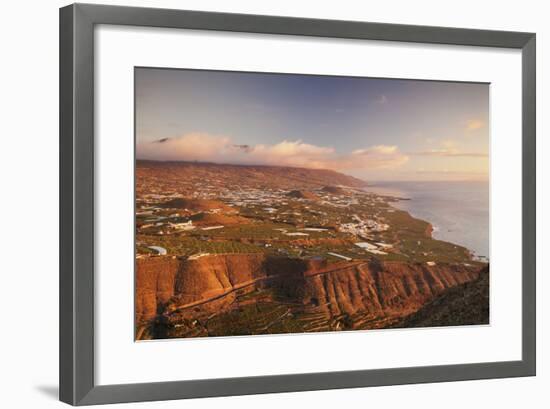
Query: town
x=253, y=250
x=193, y=218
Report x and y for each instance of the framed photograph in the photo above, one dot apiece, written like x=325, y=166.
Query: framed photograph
x=254, y=204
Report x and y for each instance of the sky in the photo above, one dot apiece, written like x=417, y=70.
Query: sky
x=375, y=129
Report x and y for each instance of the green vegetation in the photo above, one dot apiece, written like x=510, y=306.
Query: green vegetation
x=274, y=222
x=187, y=246
x=295, y=220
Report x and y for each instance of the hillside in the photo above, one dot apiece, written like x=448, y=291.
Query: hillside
x=238, y=250
x=171, y=174
x=465, y=304
x=335, y=190
x=302, y=194
x=198, y=205
x=207, y=296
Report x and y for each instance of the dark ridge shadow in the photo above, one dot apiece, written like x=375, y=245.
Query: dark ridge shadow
x=287, y=276
x=50, y=391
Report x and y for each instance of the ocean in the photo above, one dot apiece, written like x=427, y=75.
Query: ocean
x=458, y=211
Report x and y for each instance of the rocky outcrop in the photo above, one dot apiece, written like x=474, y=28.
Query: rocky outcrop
x=465, y=304
x=165, y=284
x=211, y=276
x=382, y=287
x=211, y=219
x=334, y=190
x=303, y=194
x=154, y=286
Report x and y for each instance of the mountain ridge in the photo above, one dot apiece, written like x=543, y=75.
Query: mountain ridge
x=359, y=295
x=283, y=176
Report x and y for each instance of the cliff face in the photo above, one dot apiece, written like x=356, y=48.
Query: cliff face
x=374, y=287
x=212, y=283
x=465, y=304
x=212, y=276
x=154, y=286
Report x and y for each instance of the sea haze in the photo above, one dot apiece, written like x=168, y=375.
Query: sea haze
x=458, y=211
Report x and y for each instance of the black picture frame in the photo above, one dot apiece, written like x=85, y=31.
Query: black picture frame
x=77, y=385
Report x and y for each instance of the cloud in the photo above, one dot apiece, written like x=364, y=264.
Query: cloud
x=449, y=153
x=382, y=149
x=244, y=148
x=474, y=124
x=449, y=149
x=382, y=100
x=376, y=157
x=222, y=149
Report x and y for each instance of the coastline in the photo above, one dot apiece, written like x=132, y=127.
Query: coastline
x=461, y=222
x=273, y=260
x=433, y=229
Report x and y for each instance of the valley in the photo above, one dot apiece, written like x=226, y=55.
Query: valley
x=246, y=250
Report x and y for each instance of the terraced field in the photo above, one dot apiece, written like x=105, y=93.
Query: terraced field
x=197, y=212
x=189, y=245
x=262, y=312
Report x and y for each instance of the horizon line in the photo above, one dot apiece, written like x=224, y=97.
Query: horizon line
x=370, y=181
